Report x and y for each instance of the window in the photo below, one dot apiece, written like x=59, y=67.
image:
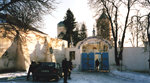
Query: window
x=72, y=55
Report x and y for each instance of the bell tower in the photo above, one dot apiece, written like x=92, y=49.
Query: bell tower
x=61, y=30
x=103, y=26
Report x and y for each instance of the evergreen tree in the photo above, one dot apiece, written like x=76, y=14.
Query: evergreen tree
x=75, y=36
x=83, y=32
x=70, y=24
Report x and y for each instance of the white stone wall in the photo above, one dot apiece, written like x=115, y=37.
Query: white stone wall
x=8, y=60
x=39, y=48
x=77, y=61
x=35, y=46
x=111, y=56
x=136, y=59
x=59, y=48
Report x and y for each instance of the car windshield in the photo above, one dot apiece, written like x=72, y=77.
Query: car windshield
x=48, y=64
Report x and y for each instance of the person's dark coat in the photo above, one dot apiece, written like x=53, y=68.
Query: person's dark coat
x=65, y=65
x=70, y=65
x=65, y=69
x=70, y=68
x=32, y=67
x=97, y=63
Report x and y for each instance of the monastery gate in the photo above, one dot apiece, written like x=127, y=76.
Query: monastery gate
x=94, y=48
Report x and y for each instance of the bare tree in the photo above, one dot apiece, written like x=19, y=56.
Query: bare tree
x=144, y=22
x=148, y=21
x=148, y=34
x=138, y=28
x=24, y=12
x=114, y=13
x=133, y=34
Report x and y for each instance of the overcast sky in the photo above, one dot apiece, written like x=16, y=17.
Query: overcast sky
x=80, y=9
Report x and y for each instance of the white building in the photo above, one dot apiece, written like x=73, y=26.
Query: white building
x=17, y=52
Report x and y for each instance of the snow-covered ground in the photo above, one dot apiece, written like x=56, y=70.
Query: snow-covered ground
x=139, y=77
x=84, y=77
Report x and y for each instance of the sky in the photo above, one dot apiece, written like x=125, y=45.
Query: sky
x=82, y=13
x=79, y=8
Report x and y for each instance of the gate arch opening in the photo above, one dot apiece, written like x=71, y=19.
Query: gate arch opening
x=93, y=38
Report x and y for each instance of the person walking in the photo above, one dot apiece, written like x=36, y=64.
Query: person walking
x=32, y=67
x=65, y=69
x=70, y=68
x=97, y=64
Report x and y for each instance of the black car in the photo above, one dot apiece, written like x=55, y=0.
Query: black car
x=47, y=71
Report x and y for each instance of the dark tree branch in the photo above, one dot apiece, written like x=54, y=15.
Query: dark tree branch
x=26, y=11
x=6, y=5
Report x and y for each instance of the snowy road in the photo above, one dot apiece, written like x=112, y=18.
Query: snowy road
x=83, y=77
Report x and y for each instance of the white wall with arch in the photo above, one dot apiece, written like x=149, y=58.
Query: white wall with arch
x=134, y=58
x=78, y=50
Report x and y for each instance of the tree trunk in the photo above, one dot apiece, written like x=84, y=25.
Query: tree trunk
x=124, y=32
x=116, y=53
x=148, y=34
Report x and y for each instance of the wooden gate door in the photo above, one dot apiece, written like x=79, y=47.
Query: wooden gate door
x=91, y=61
x=84, y=61
x=87, y=61
x=104, y=62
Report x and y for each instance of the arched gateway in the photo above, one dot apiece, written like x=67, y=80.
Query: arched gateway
x=91, y=49
x=93, y=38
